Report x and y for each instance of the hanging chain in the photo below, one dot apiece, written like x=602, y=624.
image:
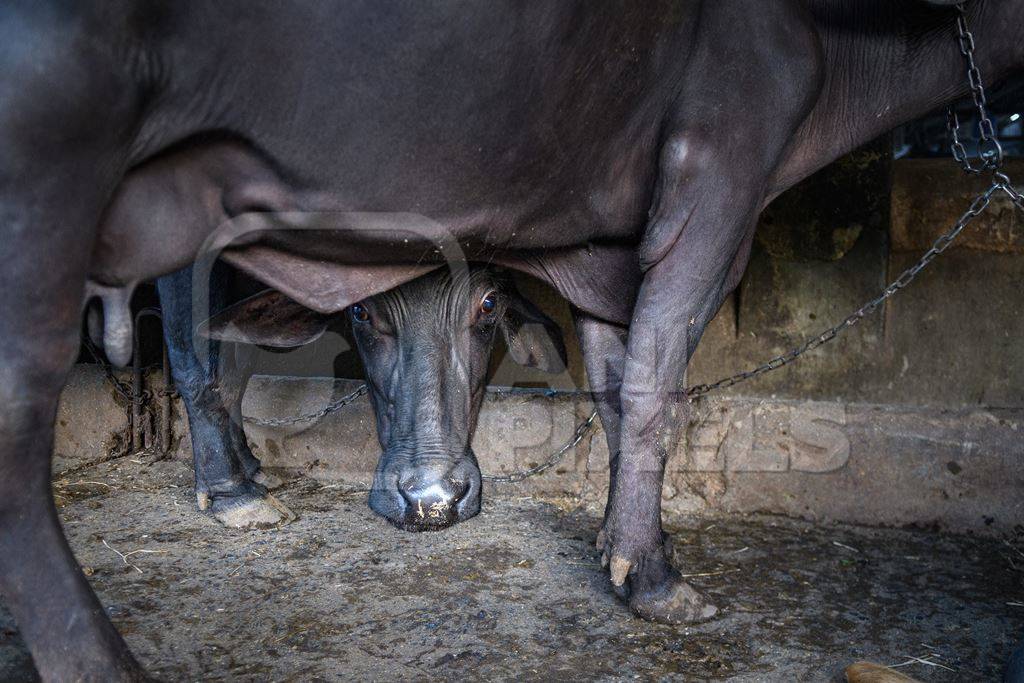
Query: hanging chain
x=940, y=245
x=990, y=151
x=122, y=388
x=311, y=417
x=553, y=459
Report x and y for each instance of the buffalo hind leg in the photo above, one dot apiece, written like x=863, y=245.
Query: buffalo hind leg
x=47, y=232
x=59, y=616
x=67, y=114
x=229, y=481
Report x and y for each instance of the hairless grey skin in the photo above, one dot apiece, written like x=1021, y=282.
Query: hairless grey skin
x=425, y=347
x=621, y=151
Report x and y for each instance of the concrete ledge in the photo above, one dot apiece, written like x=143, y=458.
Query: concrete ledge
x=91, y=419
x=872, y=464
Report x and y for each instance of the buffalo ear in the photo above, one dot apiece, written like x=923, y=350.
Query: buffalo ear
x=268, y=319
x=533, y=339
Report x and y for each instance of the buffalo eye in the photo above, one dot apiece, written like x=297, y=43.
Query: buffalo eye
x=359, y=313
x=488, y=303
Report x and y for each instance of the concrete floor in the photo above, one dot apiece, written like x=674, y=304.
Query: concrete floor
x=516, y=593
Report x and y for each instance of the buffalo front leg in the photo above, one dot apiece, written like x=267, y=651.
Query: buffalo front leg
x=679, y=296
x=711, y=185
x=694, y=252
x=676, y=303
x=211, y=378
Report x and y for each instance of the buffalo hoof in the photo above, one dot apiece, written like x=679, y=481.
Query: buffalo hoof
x=671, y=602
x=267, y=480
x=866, y=672
x=251, y=512
x=654, y=590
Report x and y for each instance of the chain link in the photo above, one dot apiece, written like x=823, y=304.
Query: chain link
x=1015, y=195
x=990, y=152
x=310, y=417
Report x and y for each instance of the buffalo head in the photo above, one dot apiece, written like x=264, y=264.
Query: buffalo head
x=425, y=347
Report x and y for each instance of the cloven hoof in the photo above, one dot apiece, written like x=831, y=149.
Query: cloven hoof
x=252, y=512
x=867, y=672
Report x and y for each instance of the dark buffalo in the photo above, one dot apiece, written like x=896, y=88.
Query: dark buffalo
x=621, y=151
x=425, y=346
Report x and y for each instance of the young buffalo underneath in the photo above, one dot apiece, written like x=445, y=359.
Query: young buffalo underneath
x=425, y=347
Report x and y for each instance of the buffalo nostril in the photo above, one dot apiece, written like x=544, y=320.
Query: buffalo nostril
x=450, y=492
x=458, y=490
x=434, y=502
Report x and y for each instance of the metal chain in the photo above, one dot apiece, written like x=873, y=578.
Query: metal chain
x=123, y=388
x=990, y=151
x=329, y=408
x=940, y=245
x=1004, y=182
x=553, y=459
